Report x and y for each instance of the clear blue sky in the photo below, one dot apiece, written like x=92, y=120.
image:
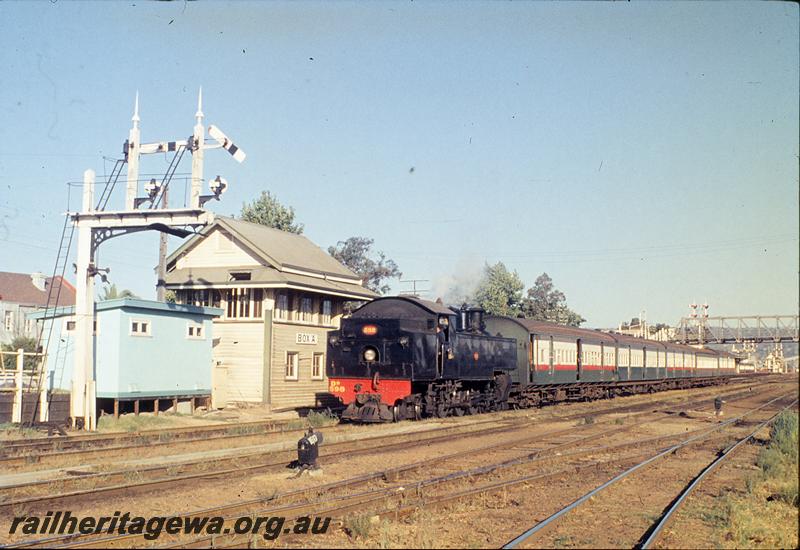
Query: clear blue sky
x=643, y=154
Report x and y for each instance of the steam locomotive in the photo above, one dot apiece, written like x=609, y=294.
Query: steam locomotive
x=403, y=357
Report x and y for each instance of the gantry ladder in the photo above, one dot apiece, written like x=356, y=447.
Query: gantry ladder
x=51, y=305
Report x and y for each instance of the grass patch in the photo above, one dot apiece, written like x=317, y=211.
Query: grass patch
x=132, y=423
x=245, y=429
x=13, y=431
x=322, y=419
x=765, y=515
x=358, y=526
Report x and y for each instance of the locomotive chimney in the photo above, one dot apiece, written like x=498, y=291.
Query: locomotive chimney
x=472, y=318
x=476, y=319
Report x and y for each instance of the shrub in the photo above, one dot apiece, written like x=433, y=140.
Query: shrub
x=320, y=419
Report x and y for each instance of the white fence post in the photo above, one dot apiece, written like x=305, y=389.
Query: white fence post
x=16, y=412
x=44, y=409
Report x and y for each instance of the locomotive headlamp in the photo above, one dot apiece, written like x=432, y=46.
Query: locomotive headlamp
x=333, y=340
x=370, y=355
x=369, y=330
x=403, y=341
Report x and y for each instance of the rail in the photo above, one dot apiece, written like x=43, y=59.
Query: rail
x=665, y=518
x=576, y=503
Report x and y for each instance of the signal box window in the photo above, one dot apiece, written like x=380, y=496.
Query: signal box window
x=282, y=307
x=305, y=310
x=325, y=312
x=318, y=366
x=292, y=365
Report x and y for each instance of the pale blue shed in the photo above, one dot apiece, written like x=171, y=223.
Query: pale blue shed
x=144, y=351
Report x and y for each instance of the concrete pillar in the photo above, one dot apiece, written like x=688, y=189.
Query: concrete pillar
x=83, y=372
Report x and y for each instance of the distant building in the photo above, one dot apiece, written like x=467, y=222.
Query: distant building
x=23, y=293
x=144, y=351
x=280, y=295
x=641, y=329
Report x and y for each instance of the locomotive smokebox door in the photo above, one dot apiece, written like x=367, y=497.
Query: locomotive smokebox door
x=308, y=449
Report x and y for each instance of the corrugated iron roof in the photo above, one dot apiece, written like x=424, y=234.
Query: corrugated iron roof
x=199, y=277
x=18, y=288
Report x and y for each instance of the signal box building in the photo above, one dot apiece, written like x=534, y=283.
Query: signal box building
x=280, y=295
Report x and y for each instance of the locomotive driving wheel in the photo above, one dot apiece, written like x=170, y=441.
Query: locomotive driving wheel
x=441, y=410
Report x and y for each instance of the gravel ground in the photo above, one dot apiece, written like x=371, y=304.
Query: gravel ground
x=477, y=523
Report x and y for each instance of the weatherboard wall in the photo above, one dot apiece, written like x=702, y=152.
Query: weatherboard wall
x=167, y=362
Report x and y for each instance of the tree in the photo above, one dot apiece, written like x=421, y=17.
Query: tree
x=499, y=291
x=267, y=210
x=355, y=254
x=28, y=345
x=546, y=303
x=111, y=293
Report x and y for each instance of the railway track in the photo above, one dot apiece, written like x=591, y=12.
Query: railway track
x=251, y=462
x=409, y=496
x=548, y=447
x=658, y=528
x=41, y=453
x=86, y=443
x=31, y=449
x=529, y=536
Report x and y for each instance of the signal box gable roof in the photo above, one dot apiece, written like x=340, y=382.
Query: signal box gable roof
x=402, y=307
x=285, y=257
x=277, y=248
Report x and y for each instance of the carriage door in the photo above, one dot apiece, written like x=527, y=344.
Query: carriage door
x=579, y=362
x=630, y=360
x=644, y=363
x=532, y=355
x=551, y=354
